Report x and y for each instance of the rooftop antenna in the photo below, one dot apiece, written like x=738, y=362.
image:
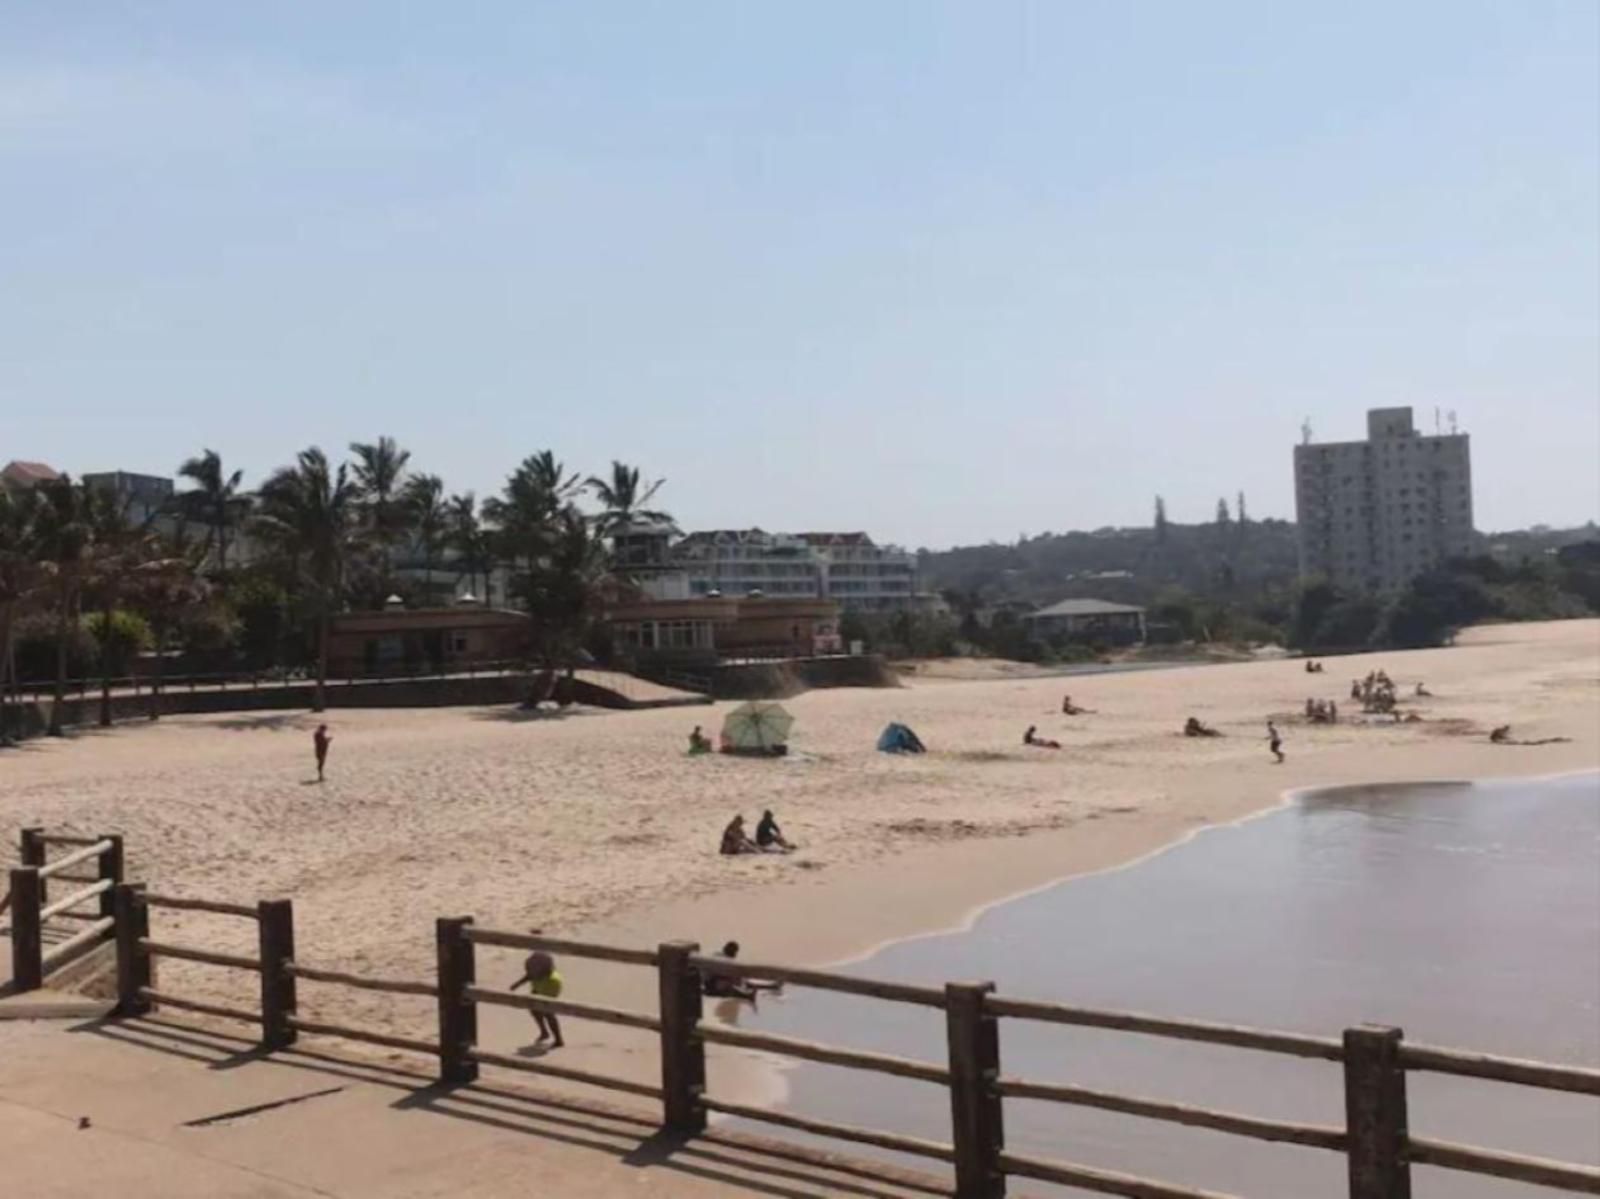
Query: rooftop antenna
x=1305, y=431
x=1452, y=422
x=1437, y=429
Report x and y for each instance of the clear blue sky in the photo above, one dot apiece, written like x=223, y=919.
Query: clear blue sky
x=946, y=272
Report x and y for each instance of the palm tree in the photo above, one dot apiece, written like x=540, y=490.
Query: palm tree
x=122, y=555
x=624, y=499
x=428, y=517
x=215, y=500
x=310, y=512
x=470, y=541
x=526, y=512
x=166, y=594
x=564, y=589
x=65, y=540
x=21, y=577
x=379, y=472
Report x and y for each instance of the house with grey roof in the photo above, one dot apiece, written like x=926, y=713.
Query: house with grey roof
x=1088, y=620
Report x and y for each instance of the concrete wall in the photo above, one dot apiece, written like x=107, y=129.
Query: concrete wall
x=778, y=680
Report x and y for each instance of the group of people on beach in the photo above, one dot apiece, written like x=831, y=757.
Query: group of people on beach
x=769, y=837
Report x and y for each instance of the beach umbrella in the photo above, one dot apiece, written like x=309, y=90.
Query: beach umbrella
x=757, y=725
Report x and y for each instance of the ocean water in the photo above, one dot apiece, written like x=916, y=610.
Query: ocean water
x=1466, y=914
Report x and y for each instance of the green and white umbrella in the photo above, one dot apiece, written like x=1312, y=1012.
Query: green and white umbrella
x=757, y=725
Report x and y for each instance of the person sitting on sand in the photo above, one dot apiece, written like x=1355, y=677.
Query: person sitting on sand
x=1068, y=708
x=699, y=743
x=1194, y=728
x=1423, y=692
x=543, y=980
x=1031, y=737
x=735, y=840
x=1501, y=735
x=1275, y=741
x=769, y=837
x=721, y=986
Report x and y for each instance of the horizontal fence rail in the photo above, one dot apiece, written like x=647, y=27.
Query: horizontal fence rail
x=1425, y=1151
x=1315, y=1135
x=577, y=949
x=1501, y=1069
x=1292, y=1044
x=362, y=982
x=1374, y=1062
x=820, y=979
x=216, y=907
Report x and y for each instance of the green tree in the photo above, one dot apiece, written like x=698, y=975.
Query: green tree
x=428, y=516
x=215, y=501
x=379, y=475
x=66, y=537
x=624, y=500
x=470, y=541
x=22, y=578
x=311, y=513
x=563, y=589
x=527, y=510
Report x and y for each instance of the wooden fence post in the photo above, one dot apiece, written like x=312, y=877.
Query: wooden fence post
x=683, y=1053
x=278, y=1000
x=132, y=915
x=1375, y=1114
x=31, y=852
x=27, y=941
x=975, y=1105
x=458, y=1015
x=111, y=868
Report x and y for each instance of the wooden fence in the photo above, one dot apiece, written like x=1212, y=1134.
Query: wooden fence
x=32, y=910
x=1375, y=1062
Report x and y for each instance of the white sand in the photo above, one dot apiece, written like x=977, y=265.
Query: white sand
x=598, y=821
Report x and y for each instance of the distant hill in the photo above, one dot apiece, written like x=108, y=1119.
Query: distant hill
x=1222, y=560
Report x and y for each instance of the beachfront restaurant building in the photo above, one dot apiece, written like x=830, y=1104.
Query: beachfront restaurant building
x=702, y=631
x=1088, y=620
x=400, y=640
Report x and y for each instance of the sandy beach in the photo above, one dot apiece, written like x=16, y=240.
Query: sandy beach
x=598, y=823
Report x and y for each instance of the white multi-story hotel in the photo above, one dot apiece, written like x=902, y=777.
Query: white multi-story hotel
x=1374, y=514
x=846, y=567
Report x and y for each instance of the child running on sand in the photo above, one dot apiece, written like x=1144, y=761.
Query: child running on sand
x=320, y=740
x=543, y=980
x=1274, y=741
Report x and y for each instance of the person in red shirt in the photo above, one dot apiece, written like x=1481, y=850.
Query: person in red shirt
x=320, y=741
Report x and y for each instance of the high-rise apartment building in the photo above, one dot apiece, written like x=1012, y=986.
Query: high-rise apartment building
x=1374, y=514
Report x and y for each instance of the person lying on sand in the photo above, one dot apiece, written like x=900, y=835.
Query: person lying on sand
x=1068, y=708
x=1194, y=728
x=1031, y=737
x=720, y=986
x=543, y=980
x=769, y=837
x=735, y=840
x=699, y=743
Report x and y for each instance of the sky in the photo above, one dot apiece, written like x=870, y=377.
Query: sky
x=946, y=272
